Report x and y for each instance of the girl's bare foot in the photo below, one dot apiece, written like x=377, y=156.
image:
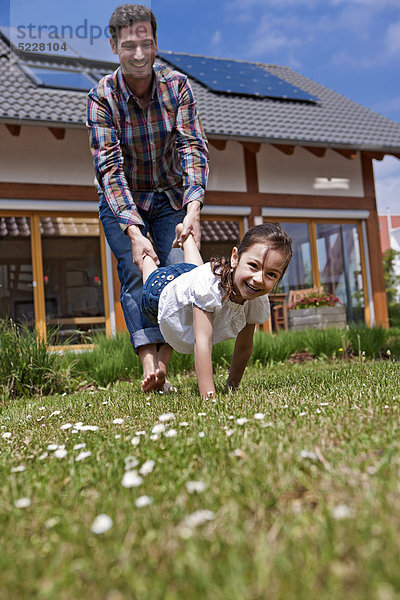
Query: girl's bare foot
x=154, y=381
x=178, y=229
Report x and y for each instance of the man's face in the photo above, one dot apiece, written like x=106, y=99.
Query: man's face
x=136, y=50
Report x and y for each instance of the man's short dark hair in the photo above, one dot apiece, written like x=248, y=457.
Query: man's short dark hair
x=127, y=14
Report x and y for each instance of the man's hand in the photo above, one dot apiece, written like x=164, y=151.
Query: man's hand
x=191, y=223
x=141, y=246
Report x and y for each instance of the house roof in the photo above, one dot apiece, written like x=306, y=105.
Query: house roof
x=334, y=121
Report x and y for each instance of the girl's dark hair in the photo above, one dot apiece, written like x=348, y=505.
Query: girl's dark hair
x=272, y=235
x=126, y=14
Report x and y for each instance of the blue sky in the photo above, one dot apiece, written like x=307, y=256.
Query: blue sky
x=351, y=46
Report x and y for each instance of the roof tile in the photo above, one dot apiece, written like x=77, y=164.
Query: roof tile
x=334, y=121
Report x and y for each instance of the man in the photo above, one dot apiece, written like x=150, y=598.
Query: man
x=151, y=163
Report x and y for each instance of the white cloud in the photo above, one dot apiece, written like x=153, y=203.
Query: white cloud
x=389, y=166
x=247, y=4
x=216, y=38
x=392, y=40
x=392, y=105
x=378, y=5
x=273, y=34
x=387, y=185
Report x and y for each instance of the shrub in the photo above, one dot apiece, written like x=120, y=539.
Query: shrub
x=274, y=348
x=324, y=342
x=394, y=314
x=393, y=343
x=26, y=367
x=372, y=340
x=113, y=359
x=110, y=360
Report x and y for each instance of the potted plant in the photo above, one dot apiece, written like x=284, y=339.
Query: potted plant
x=317, y=311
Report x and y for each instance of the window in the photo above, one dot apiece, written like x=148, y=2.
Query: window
x=339, y=262
x=60, y=78
x=72, y=277
x=16, y=276
x=328, y=254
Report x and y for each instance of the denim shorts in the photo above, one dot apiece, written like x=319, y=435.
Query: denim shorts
x=155, y=284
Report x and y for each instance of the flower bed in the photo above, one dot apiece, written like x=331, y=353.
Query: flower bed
x=315, y=301
x=317, y=311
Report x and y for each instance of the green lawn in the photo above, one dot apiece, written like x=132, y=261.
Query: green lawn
x=297, y=490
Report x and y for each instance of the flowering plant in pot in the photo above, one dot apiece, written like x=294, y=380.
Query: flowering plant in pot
x=316, y=301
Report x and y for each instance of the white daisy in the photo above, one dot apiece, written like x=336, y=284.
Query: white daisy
x=259, y=416
x=60, y=453
x=131, y=462
x=158, y=428
x=79, y=446
x=19, y=469
x=171, y=433
x=341, y=511
x=147, y=467
x=195, y=487
x=22, y=503
x=166, y=417
x=83, y=455
x=101, y=524
x=142, y=501
x=131, y=479
x=199, y=517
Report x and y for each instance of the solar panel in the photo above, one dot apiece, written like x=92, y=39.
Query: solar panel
x=58, y=78
x=234, y=77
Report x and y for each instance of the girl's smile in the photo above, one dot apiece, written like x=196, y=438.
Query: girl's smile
x=256, y=272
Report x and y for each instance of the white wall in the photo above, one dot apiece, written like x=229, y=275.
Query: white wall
x=304, y=173
x=227, y=171
x=36, y=156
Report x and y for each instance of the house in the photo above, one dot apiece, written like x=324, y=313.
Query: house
x=390, y=238
x=282, y=148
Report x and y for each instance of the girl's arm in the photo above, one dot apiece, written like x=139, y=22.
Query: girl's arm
x=241, y=355
x=203, y=334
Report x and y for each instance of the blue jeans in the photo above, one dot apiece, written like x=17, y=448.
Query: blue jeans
x=160, y=221
x=156, y=282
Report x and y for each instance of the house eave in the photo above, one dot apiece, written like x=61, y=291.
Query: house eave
x=387, y=150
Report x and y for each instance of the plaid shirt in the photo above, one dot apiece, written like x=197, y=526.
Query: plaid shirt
x=137, y=154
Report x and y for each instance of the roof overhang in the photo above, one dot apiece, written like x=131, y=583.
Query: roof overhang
x=286, y=145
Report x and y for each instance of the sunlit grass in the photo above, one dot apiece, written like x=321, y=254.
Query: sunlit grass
x=285, y=489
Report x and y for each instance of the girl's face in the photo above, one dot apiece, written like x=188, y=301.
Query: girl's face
x=257, y=271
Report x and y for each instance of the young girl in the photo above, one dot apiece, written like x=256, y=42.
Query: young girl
x=197, y=305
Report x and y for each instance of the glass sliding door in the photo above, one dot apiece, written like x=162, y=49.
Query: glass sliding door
x=299, y=273
x=72, y=277
x=339, y=261
x=16, y=275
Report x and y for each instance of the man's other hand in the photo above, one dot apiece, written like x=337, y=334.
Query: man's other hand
x=141, y=246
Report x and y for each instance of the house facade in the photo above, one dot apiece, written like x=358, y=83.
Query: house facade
x=303, y=161
x=390, y=238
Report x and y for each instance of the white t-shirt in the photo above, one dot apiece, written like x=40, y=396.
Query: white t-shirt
x=202, y=288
